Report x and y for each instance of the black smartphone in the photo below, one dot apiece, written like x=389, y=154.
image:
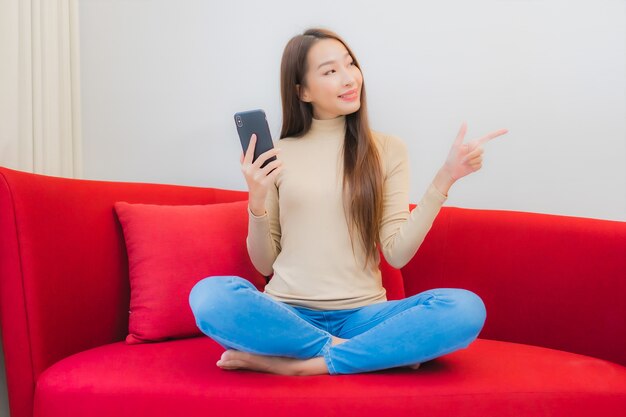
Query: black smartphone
x=254, y=121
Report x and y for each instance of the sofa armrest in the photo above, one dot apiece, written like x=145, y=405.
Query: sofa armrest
x=546, y=280
x=64, y=284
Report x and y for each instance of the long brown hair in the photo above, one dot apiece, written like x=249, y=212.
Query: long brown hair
x=362, y=173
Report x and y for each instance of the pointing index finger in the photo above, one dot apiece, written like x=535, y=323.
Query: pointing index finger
x=492, y=135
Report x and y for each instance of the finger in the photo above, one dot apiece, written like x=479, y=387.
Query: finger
x=473, y=154
x=272, y=175
x=267, y=168
x=492, y=135
x=241, y=158
x=265, y=156
x=461, y=134
x=475, y=161
x=250, y=151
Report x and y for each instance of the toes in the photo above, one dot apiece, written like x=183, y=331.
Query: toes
x=230, y=364
x=230, y=354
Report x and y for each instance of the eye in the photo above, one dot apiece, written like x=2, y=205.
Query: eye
x=351, y=63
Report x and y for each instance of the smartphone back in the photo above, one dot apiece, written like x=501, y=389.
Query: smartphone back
x=254, y=121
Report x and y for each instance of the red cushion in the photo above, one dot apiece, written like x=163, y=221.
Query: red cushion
x=180, y=378
x=170, y=248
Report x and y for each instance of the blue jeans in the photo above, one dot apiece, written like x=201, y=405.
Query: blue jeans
x=232, y=312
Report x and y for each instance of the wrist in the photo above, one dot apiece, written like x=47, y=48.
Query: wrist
x=256, y=212
x=443, y=181
x=257, y=207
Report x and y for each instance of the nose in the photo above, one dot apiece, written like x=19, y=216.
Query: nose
x=348, y=78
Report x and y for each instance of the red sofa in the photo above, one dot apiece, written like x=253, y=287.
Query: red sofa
x=554, y=343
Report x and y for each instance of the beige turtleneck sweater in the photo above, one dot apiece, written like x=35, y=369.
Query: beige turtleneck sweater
x=303, y=238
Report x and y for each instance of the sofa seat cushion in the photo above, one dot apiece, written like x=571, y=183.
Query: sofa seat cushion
x=179, y=377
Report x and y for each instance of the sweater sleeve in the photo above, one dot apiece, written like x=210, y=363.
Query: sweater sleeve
x=263, y=241
x=403, y=231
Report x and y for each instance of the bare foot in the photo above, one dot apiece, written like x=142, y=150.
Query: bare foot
x=281, y=365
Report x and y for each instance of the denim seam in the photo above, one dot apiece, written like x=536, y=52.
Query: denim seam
x=328, y=329
x=328, y=360
x=325, y=351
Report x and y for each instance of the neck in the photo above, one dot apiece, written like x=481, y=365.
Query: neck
x=334, y=125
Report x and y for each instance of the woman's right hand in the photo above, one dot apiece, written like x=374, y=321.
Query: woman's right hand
x=259, y=179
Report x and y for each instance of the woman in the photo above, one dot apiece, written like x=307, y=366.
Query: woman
x=318, y=215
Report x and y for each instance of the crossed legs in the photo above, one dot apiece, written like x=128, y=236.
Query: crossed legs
x=263, y=335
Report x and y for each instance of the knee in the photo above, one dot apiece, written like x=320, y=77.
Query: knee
x=209, y=292
x=472, y=311
x=476, y=311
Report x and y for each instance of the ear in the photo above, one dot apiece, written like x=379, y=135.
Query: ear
x=302, y=95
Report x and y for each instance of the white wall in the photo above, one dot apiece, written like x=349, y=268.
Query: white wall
x=162, y=79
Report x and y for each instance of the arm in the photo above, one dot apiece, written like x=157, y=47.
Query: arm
x=263, y=241
x=403, y=231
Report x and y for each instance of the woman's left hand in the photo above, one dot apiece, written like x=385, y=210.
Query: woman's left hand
x=465, y=158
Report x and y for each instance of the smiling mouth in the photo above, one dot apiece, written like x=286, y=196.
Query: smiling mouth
x=349, y=95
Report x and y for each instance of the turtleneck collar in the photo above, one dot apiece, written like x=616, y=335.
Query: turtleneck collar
x=325, y=126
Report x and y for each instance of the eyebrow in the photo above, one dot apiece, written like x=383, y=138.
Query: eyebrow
x=331, y=61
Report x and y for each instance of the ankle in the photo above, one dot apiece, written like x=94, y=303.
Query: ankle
x=313, y=366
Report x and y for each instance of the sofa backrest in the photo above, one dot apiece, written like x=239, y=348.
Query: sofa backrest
x=547, y=280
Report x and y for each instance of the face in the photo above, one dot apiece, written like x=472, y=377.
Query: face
x=331, y=73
